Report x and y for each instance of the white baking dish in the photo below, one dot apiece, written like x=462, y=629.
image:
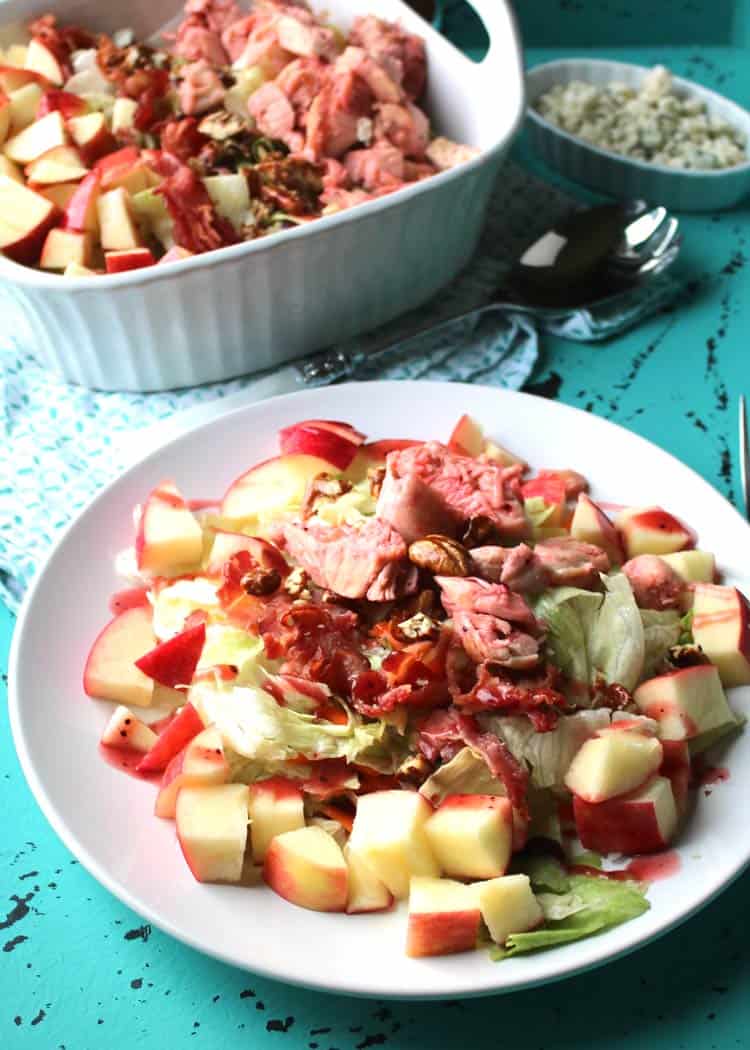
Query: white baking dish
x=255, y=305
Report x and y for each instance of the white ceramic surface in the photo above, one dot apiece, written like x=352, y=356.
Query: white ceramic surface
x=105, y=817
x=255, y=305
x=623, y=177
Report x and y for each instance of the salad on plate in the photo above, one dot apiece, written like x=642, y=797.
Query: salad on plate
x=413, y=670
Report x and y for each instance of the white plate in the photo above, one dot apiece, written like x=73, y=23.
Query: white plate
x=105, y=818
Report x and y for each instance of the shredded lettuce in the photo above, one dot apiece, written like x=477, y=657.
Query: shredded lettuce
x=466, y=774
x=354, y=506
x=545, y=872
x=174, y=603
x=661, y=630
x=569, y=614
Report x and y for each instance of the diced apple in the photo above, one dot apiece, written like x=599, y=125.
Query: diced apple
x=276, y=806
x=675, y=767
x=10, y=170
x=185, y=725
x=66, y=102
x=466, y=437
x=60, y=194
x=212, y=830
x=271, y=488
x=611, y=764
x=651, y=530
x=116, y=225
x=307, y=868
x=366, y=892
x=15, y=55
x=507, y=906
x=12, y=78
x=333, y=443
x=175, y=254
x=642, y=822
x=389, y=833
x=60, y=164
x=721, y=627
x=81, y=212
x=110, y=672
x=63, y=247
x=25, y=218
x=124, y=730
x=226, y=544
x=443, y=917
x=40, y=59
x=128, y=259
x=123, y=114
x=552, y=493
x=471, y=836
x=230, y=196
x=247, y=82
x=5, y=116
x=499, y=454
x=74, y=270
x=685, y=703
x=692, y=566
x=134, y=177
x=173, y=661
x=91, y=134
x=200, y=764
x=36, y=139
x=168, y=536
x=591, y=525
x=24, y=105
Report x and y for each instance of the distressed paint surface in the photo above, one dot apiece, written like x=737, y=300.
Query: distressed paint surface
x=79, y=970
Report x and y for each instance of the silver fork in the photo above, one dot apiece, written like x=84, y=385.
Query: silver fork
x=744, y=457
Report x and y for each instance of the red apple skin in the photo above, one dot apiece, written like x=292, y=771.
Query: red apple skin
x=173, y=662
x=98, y=145
x=466, y=437
x=80, y=213
x=442, y=933
x=12, y=78
x=178, y=776
x=617, y=826
x=129, y=598
x=316, y=441
x=344, y=430
x=264, y=553
x=128, y=259
x=277, y=875
x=27, y=249
x=675, y=766
x=66, y=102
x=378, y=450
x=112, y=166
x=177, y=735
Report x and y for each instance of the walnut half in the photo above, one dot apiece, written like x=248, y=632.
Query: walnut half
x=441, y=556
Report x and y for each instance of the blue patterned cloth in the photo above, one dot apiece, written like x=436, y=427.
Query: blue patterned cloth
x=62, y=443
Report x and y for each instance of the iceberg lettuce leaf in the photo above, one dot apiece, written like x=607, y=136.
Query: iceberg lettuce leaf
x=661, y=630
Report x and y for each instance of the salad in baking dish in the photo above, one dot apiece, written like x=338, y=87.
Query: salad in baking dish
x=117, y=153
x=414, y=670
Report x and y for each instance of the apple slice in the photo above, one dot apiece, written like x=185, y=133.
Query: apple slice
x=389, y=834
x=110, y=672
x=123, y=115
x=226, y=544
x=124, y=730
x=168, y=537
x=466, y=437
x=12, y=78
x=200, y=764
x=613, y=763
x=591, y=525
x=91, y=134
x=507, y=906
x=276, y=806
x=66, y=102
x=721, y=627
x=230, y=196
x=60, y=193
x=307, y=868
x=212, y=830
x=642, y=822
x=128, y=259
x=36, y=139
x=334, y=446
x=471, y=836
x=129, y=598
x=185, y=725
x=685, y=703
x=651, y=530
x=692, y=566
x=63, y=247
x=25, y=218
x=366, y=892
x=174, y=661
x=116, y=224
x=5, y=116
x=9, y=169
x=74, y=270
x=60, y=164
x=24, y=106
x=675, y=767
x=39, y=59
x=81, y=212
x=552, y=492
x=175, y=254
x=272, y=487
x=443, y=917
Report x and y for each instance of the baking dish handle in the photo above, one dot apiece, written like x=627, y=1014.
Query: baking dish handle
x=495, y=15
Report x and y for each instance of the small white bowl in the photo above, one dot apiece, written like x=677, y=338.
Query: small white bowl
x=624, y=177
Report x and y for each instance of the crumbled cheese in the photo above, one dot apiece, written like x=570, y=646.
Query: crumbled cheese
x=654, y=124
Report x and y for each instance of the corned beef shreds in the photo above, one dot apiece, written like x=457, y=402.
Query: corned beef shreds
x=428, y=489
x=491, y=622
x=655, y=584
x=354, y=561
x=571, y=563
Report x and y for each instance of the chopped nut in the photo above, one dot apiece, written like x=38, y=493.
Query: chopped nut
x=376, y=477
x=441, y=556
x=261, y=582
x=687, y=656
x=296, y=584
x=322, y=487
x=479, y=531
x=221, y=125
x=418, y=627
x=414, y=771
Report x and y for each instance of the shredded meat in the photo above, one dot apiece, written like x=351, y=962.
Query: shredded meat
x=655, y=583
x=197, y=226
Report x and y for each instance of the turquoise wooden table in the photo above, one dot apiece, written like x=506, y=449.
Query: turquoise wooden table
x=79, y=971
